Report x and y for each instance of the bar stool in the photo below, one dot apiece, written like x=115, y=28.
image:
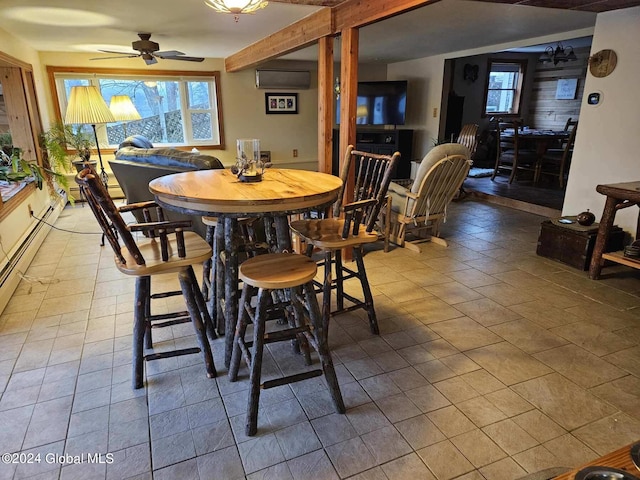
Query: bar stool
x=290, y=277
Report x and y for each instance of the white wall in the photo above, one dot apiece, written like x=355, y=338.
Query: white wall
x=607, y=141
x=243, y=107
x=15, y=227
x=426, y=76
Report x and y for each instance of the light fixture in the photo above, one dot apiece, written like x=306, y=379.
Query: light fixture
x=236, y=7
x=123, y=110
x=558, y=54
x=86, y=106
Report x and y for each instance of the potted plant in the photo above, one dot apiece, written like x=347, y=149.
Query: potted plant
x=56, y=163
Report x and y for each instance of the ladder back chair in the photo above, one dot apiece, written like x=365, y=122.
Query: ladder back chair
x=509, y=153
x=167, y=249
x=555, y=161
x=360, y=209
x=468, y=137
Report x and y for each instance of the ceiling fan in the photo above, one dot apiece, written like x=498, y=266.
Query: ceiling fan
x=148, y=51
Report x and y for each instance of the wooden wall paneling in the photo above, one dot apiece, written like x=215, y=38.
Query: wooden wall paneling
x=18, y=111
x=545, y=110
x=298, y=35
x=325, y=104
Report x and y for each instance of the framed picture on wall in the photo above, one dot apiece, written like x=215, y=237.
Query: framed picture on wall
x=566, y=89
x=281, y=102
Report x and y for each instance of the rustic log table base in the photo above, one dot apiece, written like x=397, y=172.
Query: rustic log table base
x=619, y=196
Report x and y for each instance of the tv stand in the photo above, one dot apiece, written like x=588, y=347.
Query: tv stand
x=382, y=142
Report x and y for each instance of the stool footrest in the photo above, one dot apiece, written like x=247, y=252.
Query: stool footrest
x=290, y=379
x=174, y=293
x=177, y=321
x=167, y=316
x=288, y=334
x=175, y=353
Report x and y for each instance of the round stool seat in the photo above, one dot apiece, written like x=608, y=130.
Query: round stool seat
x=278, y=270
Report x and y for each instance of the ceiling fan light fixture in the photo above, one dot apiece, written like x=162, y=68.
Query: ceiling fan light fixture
x=236, y=7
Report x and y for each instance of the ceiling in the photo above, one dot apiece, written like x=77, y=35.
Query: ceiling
x=195, y=29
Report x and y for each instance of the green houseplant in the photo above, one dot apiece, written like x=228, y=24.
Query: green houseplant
x=57, y=161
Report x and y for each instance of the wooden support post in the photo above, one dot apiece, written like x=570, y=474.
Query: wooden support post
x=325, y=104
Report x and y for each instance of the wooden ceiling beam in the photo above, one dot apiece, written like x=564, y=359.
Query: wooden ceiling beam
x=298, y=35
x=328, y=21
x=358, y=13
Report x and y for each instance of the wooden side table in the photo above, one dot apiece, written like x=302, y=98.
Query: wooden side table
x=619, y=196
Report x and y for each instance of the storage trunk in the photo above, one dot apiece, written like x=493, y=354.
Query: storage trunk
x=573, y=244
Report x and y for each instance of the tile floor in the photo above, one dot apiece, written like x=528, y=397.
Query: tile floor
x=491, y=363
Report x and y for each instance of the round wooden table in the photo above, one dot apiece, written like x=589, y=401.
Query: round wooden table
x=219, y=193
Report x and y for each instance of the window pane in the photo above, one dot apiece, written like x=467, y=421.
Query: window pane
x=201, y=126
x=198, y=96
x=157, y=102
x=499, y=101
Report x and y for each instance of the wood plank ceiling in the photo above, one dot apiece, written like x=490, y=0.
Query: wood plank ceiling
x=586, y=6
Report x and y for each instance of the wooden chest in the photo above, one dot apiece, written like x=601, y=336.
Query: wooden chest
x=573, y=244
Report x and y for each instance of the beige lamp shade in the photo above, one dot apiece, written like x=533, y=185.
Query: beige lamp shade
x=123, y=109
x=86, y=106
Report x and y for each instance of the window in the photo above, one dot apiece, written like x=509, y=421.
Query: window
x=176, y=108
x=504, y=86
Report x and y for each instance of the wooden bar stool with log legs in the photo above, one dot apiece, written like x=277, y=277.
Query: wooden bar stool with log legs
x=290, y=276
x=167, y=249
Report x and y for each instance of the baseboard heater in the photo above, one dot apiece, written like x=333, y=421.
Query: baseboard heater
x=24, y=246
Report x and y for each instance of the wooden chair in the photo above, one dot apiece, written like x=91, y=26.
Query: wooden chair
x=422, y=207
x=555, y=162
x=360, y=208
x=469, y=138
x=570, y=124
x=289, y=277
x=160, y=253
x=509, y=153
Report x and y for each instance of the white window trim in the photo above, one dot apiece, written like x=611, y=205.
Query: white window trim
x=57, y=75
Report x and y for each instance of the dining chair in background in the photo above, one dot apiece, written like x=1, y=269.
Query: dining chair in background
x=354, y=218
x=510, y=155
x=167, y=248
x=468, y=137
x=555, y=162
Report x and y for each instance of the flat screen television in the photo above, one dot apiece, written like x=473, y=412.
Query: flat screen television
x=380, y=103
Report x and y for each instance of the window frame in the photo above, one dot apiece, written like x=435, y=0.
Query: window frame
x=54, y=73
x=518, y=92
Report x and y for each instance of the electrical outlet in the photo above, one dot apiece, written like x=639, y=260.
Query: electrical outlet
x=435, y=112
x=295, y=152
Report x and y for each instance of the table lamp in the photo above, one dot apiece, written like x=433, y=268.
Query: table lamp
x=123, y=110
x=86, y=106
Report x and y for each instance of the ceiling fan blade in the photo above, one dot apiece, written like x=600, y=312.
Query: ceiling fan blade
x=186, y=59
x=120, y=53
x=111, y=58
x=168, y=53
x=150, y=61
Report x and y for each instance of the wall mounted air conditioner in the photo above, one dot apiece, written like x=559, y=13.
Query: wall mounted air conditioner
x=287, y=79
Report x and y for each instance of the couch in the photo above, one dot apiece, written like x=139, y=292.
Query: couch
x=137, y=162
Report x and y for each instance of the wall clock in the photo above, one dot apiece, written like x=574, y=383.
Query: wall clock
x=602, y=63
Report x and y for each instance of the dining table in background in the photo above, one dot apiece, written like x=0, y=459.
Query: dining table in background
x=539, y=140
x=219, y=193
